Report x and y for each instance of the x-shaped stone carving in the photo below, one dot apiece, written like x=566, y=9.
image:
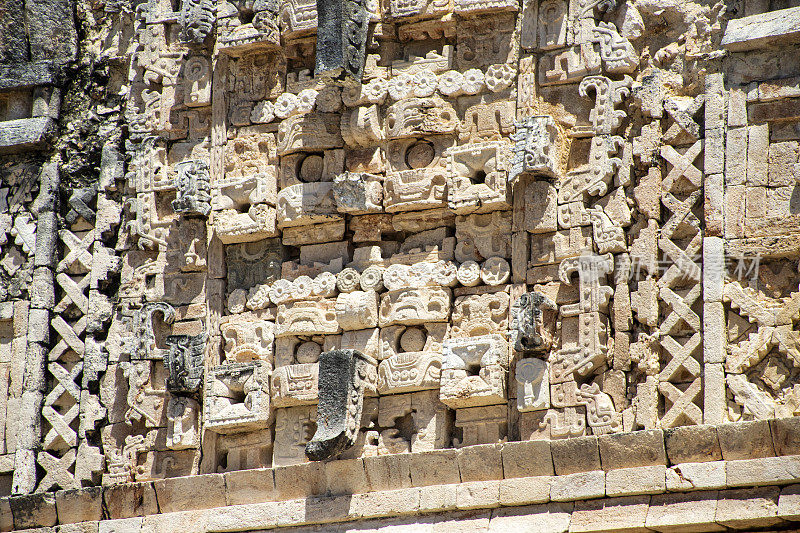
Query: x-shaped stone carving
x=78, y=259
x=60, y=423
x=682, y=404
x=74, y=293
x=70, y=337
x=57, y=471
x=680, y=311
x=682, y=165
x=683, y=266
x=685, y=127
x=682, y=357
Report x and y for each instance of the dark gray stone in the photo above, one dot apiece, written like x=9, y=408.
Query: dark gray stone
x=184, y=362
x=81, y=203
x=344, y=376
x=253, y=263
x=112, y=166
x=528, y=321
x=51, y=30
x=144, y=334
x=25, y=134
x=24, y=75
x=341, y=38
x=193, y=184
x=13, y=41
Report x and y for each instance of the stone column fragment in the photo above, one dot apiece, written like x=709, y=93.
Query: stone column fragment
x=34, y=383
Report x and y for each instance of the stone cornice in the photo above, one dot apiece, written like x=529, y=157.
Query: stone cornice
x=653, y=479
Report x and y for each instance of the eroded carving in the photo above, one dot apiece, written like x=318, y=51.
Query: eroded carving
x=345, y=376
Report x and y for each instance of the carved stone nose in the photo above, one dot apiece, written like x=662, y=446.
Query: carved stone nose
x=341, y=38
x=344, y=376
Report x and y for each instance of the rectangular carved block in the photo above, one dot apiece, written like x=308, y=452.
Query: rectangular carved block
x=414, y=306
x=474, y=371
x=307, y=318
x=295, y=385
x=237, y=398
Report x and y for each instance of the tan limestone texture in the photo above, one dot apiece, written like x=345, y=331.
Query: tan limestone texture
x=563, y=235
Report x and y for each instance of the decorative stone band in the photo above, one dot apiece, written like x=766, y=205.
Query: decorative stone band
x=684, y=479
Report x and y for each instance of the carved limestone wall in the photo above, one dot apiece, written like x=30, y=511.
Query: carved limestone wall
x=510, y=221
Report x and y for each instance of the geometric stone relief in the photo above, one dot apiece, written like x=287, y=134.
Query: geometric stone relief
x=410, y=358
x=294, y=427
x=762, y=362
x=518, y=223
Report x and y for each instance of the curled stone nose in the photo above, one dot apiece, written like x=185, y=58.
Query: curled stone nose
x=341, y=38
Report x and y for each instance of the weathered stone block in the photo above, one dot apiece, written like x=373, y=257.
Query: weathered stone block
x=746, y=508
x=525, y=490
x=789, y=503
x=580, y=486
x=434, y=468
x=26, y=134
x=611, y=514
x=638, y=448
x=249, y=486
x=696, y=476
x=527, y=459
x=123, y=525
x=299, y=481
x=786, y=435
x=192, y=492
x=478, y=494
x=480, y=463
x=757, y=31
x=386, y=472
x=580, y=454
x=130, y=500
x=346, y=476
x=637, y=480
x=437, y=498
x=550, y=517
x=240, y=517
x=34, y=510
x=79, y=505
x=385, y=503
x=745, y=440
x=692, y=444
x=683, y=512
x=762, y=471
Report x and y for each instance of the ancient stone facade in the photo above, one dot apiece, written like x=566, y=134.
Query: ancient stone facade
x=243, y=236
